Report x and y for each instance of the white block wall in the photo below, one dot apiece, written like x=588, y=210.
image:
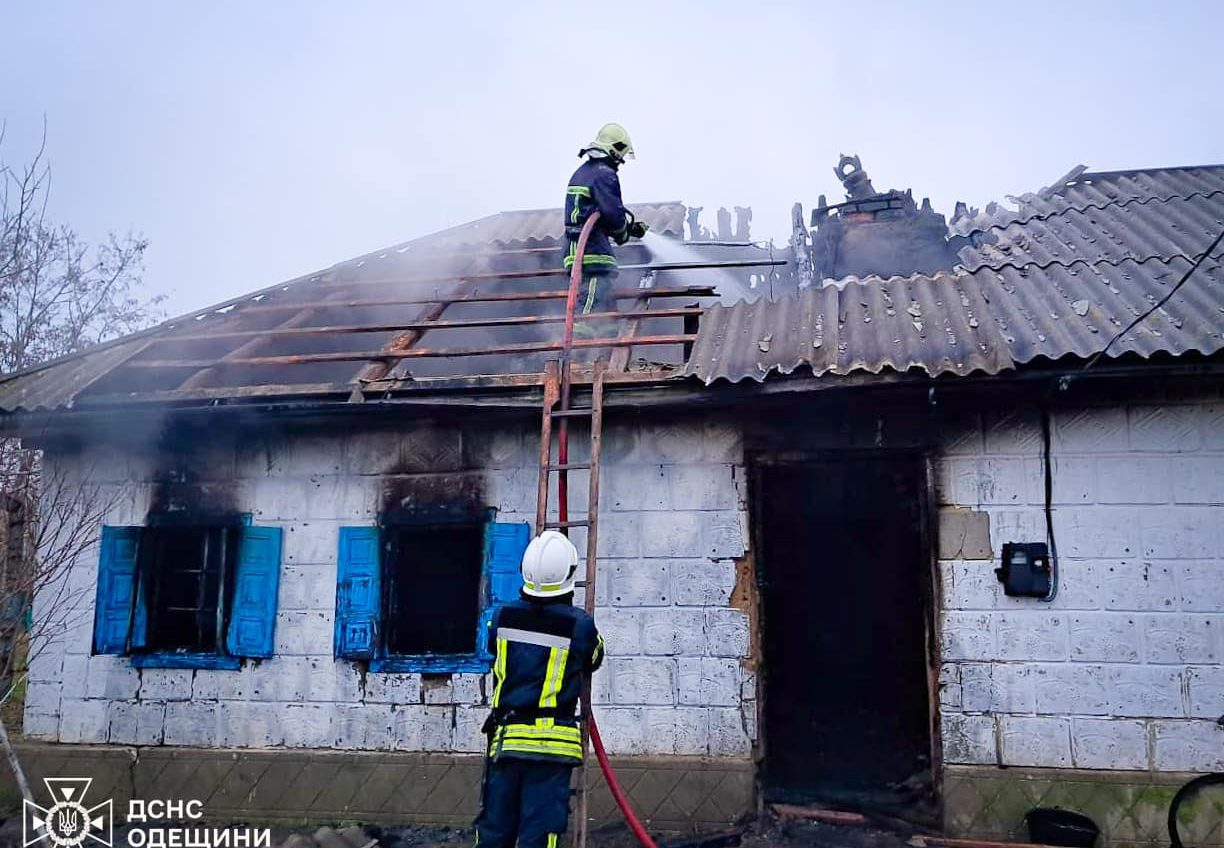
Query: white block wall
x=673, y=523
x=1123, y=669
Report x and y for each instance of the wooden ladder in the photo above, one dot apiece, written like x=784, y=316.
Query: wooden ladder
x=558, y=408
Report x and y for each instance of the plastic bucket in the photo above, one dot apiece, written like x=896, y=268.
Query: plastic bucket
x=1049, y=826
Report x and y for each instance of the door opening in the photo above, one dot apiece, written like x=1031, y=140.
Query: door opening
x=844, y=586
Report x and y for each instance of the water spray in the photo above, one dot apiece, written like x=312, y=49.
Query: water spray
x=673, y=251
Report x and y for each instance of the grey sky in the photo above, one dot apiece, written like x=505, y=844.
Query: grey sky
x=252, y=142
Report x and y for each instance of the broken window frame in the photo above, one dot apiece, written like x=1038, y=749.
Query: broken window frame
x=398, y=569
x=220, y=539
x=360, y=595
x=124, y=589
x=476, y=660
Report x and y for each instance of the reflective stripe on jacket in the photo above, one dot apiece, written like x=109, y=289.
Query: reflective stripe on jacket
x=540, y=650
x=595, y=185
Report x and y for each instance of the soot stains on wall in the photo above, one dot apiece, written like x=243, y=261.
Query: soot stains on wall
x=422, y=498
x=192, y=472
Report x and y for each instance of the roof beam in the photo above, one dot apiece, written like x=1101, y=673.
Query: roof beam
x=404, y=341
x=528, y=320
x=551, y=272
x=196, y=380
x=414, y=353
x=620, y=294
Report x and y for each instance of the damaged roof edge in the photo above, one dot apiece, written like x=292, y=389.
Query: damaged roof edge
x=163, y=326
x=675, y=393
x=962, y=323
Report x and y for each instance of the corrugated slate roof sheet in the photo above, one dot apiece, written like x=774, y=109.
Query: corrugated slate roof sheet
x=1097, y=190
x=1179, y=226
x=1104, y=188
x=987, y=321
x=1059, y=280
x=57, y=384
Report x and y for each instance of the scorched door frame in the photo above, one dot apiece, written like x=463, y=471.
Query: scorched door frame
x=923, y=460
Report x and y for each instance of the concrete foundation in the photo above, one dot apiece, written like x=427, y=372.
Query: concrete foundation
x=319, y=787
x=1131, y=808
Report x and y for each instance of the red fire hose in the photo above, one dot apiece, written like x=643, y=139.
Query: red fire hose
x=571, y=302
x=621, y=801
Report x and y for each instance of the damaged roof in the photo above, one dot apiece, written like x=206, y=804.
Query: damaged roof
x=490, y=291
x=1057, y=277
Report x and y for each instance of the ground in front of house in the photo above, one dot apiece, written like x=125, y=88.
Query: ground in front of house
x=770, y=833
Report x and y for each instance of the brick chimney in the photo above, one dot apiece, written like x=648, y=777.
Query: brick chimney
x=881, y=233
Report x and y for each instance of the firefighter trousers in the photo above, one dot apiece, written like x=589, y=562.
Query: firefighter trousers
x=524, y=801
x=595, y=294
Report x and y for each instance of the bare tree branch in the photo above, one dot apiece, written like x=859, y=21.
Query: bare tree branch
x=58, y=295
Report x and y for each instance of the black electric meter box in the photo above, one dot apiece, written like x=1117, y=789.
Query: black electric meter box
x=1025, y=572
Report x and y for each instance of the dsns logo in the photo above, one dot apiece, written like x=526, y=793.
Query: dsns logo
x=67, y=823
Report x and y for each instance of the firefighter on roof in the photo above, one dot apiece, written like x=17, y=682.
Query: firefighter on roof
x=596, y=186
x=542, y=647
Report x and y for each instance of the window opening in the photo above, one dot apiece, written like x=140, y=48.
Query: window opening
x=433, y=580
x=189, y=573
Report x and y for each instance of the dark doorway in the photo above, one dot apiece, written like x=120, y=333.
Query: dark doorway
x=844, y=577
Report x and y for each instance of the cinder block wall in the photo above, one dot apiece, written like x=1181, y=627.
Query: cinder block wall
x=1122, y=670
x=673, y=525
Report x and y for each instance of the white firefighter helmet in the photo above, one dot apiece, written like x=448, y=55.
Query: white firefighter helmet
x=549, y=564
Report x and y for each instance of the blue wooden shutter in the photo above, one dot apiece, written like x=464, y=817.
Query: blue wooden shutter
x=139, y=637
x=116, y=589
x=504, y=547
x=358, y=593
x=252, y=626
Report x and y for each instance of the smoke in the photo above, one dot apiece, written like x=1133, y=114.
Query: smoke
x=666, y=250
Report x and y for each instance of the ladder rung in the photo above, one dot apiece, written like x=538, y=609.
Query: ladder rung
x=571, y=413
x=569, y=466
x=558, y=525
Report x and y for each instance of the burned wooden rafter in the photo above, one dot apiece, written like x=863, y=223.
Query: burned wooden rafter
x=550, y=272
x=196, y=380
x=501, y=252
x=619, y=360
x=527, y=320
x=440, y=386
x=494, y=297
x=405, y=341
x=414, y=353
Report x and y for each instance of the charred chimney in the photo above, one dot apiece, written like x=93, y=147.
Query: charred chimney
x=876, y=233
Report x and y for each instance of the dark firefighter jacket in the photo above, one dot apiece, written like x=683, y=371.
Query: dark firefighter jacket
x=595, y=186
x=540, y=652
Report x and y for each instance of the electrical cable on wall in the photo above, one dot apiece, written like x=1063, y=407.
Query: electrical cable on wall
x=1030, y=569
x=1047, y=463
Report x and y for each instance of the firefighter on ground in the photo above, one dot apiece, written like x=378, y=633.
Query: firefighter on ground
x=595, y=186
x=542, y=647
